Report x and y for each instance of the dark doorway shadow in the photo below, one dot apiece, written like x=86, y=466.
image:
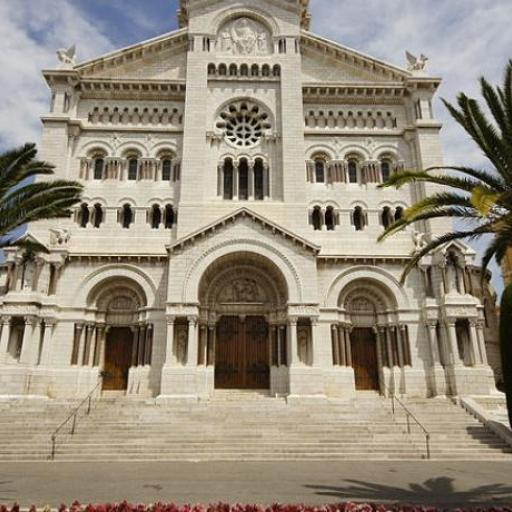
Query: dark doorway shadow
x=434, y=491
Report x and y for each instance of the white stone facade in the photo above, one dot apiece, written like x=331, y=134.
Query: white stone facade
x=231, y=170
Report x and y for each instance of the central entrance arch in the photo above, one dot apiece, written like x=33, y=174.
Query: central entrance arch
x=243, y=295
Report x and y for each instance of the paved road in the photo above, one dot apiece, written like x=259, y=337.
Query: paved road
x=435, y=483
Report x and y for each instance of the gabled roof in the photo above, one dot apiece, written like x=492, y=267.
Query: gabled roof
x=244, y=213
x=138, y=50
x=354, y=57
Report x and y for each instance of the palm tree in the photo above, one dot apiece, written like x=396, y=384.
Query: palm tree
x=23, y=201
x=480, y=199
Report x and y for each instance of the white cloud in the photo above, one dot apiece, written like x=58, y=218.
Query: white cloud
x=32, y=30
x=464, y=39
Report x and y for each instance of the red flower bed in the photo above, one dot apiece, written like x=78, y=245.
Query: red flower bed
x=221, y=507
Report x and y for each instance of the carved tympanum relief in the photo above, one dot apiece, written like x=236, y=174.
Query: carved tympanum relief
x=243, y=290
x=244, y=36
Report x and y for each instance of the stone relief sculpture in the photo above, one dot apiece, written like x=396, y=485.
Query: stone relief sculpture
x=419, y=241
x=242, y=290
x=59, y=236
x=67, y=58
x=244, y=36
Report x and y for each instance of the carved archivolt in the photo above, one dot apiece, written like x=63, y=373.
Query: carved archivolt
x=244, y=36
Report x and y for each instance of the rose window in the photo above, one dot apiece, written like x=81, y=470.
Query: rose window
x=244, y=124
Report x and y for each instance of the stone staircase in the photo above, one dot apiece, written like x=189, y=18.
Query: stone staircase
x=245, y=426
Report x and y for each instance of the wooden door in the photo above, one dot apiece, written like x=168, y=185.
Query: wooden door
x=364, y=359
x=118, y=354
x=242, y=353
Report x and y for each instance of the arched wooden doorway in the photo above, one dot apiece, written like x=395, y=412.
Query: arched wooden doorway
x=125, y=337
x=242, y=296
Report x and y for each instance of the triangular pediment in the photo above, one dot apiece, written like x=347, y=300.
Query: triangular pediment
x=327, y=61
x=238, y=216
x=161, y=58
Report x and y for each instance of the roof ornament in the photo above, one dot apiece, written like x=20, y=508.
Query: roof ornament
x=416, y=63
x=67, y=58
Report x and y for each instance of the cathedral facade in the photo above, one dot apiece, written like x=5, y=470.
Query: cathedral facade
x=227, y=236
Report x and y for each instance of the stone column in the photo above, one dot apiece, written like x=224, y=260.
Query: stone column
x=4, y=338
x=142, y=345
x=49, y=325
x=148, y=352
x=203, y=344
x=293, y=356
x=77, y=344
x=380, y=361
x=280, y=342
x=348, y=345
x=235, y=181
x=212, y=332
x=251, y=191
x=313, y=354
x=192, y=342
x=322, y=211
x=170, y=354
x=434, y=346
x=481, y=342
x=89, y=345
x=452, y=340
x=135, y=346
x=399, y=347
x=27, y=345
x=99, y=355
x=335, y=346
x=389, y=348
x=342, y=345
x=473, y=338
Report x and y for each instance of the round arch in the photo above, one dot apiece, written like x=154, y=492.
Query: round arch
x=191, y=283
x=228, y=14
x=389, y=287
x=133, y=278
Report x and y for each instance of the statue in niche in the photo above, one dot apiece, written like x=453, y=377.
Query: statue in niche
x=303, y=344
x=244, y=36
x=181, y=344
x=419, y=241
x=29, y=274
x=452, y=273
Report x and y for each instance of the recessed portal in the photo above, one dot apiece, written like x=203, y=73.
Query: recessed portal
x=364, y=359
x=118, y=355
x=242, y=355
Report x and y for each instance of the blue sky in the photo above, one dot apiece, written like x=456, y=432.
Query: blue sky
x=463, y=38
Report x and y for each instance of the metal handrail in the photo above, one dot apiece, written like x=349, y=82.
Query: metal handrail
x=409, y=415
x=73, y=416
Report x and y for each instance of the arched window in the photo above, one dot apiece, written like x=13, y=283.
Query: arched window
x=127, y=216
x=83, y=215
x=316, y=218
x=166, y=169
x=156, y=216
x=255, y=70
x=133, y=169
x=330, y=219
x=277, y=70
x=399, y=213
x=319, y=170
x=265, y=70
x=259, y=185
x=359, y=220
x=385, y=168
x=244, y=70
x=169, y=217
x=97, y=215
x=99, y=168
x=352, y=171
x=243, y=180
x=211, y=69
x=387, y=219
x=223, y=70
x=228, y=178
x=233, y=70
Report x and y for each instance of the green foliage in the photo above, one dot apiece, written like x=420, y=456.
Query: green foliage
x=506, y=346
x=482, y=199
x=23, y=201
